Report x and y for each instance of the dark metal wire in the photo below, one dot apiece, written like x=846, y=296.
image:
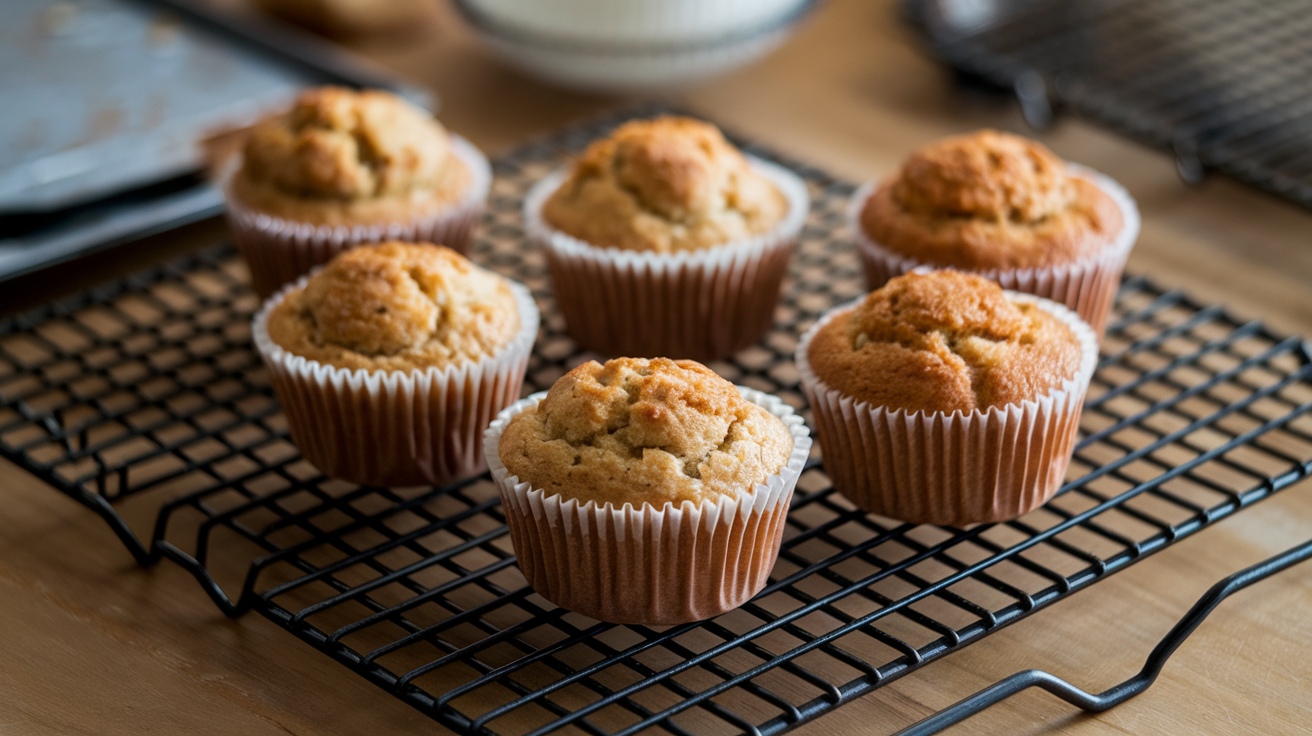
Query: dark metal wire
x=1097, y=703
x=148, y=390
x=1223, y=85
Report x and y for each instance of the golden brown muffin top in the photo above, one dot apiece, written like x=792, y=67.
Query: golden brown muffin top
x=664, y=185
x=639, y=430
x=341, y=146
x=397, y=306
x=942, y=342
x=990, y=200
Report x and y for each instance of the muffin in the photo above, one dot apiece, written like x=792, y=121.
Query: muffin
x=647, y=491
x=940, y=398
x=1004, y=207
x=342, y=168
x=390, y=361
x=664, y=239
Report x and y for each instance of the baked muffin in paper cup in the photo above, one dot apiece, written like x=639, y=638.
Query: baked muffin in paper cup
x=277, y=250
x=668, y=289
x=1079, y=269
x=320, y=191
x=649, y=563
x=958, y=467
x=389, y=421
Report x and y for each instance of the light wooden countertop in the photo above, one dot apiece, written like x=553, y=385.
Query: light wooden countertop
x=92, y=644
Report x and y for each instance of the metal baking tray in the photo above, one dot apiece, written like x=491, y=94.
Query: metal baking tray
x=106, y=104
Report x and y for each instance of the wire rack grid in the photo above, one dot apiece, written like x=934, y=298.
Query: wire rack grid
x=1224, y=85
x=144, y=400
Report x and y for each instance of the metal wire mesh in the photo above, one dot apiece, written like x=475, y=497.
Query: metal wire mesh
x=144, y=400
x=1225, y=85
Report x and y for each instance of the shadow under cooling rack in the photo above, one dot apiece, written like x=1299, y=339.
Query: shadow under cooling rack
x=144, y=400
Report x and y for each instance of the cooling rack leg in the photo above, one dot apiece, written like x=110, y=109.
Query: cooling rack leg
x=1031, y=91
x=198, y=571
x=1097, y=703
x=143, y=556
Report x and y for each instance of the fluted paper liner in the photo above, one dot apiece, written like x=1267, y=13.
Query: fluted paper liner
x=1087, y=286
x=278, y=251
x=393, y=428
x=649, y=565
x=703, y=304
x=950, y=468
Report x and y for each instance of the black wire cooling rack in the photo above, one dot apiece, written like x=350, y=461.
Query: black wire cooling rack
x=1224, y=84
x=144, y=400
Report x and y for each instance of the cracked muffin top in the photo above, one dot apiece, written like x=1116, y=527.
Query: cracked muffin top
x=664, y=185
x=645, y=431
x=942, y=342
x=990, y=200
x=397, y=306
x=340, y=155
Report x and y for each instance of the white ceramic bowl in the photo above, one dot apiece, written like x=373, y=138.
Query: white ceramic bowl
x=631, y=44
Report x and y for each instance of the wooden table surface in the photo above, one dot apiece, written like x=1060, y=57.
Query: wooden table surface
x=92, y=644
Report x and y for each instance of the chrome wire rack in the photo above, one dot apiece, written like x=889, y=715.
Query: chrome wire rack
x=144, y=400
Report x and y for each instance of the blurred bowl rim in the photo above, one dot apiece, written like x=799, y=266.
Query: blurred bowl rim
x=592, y=46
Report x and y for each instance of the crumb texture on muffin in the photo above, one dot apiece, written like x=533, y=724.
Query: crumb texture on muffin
x=664, y=185
x=942, y=342
x=990, y=200
x=639, y=430
x=337, y=146
x=397, y=306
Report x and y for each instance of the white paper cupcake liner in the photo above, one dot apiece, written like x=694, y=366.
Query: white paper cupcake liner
x=1088, y=286
x=278, y=251
x=649, y=565
x=703, y=304
x=950, y=468
x=394, y=428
